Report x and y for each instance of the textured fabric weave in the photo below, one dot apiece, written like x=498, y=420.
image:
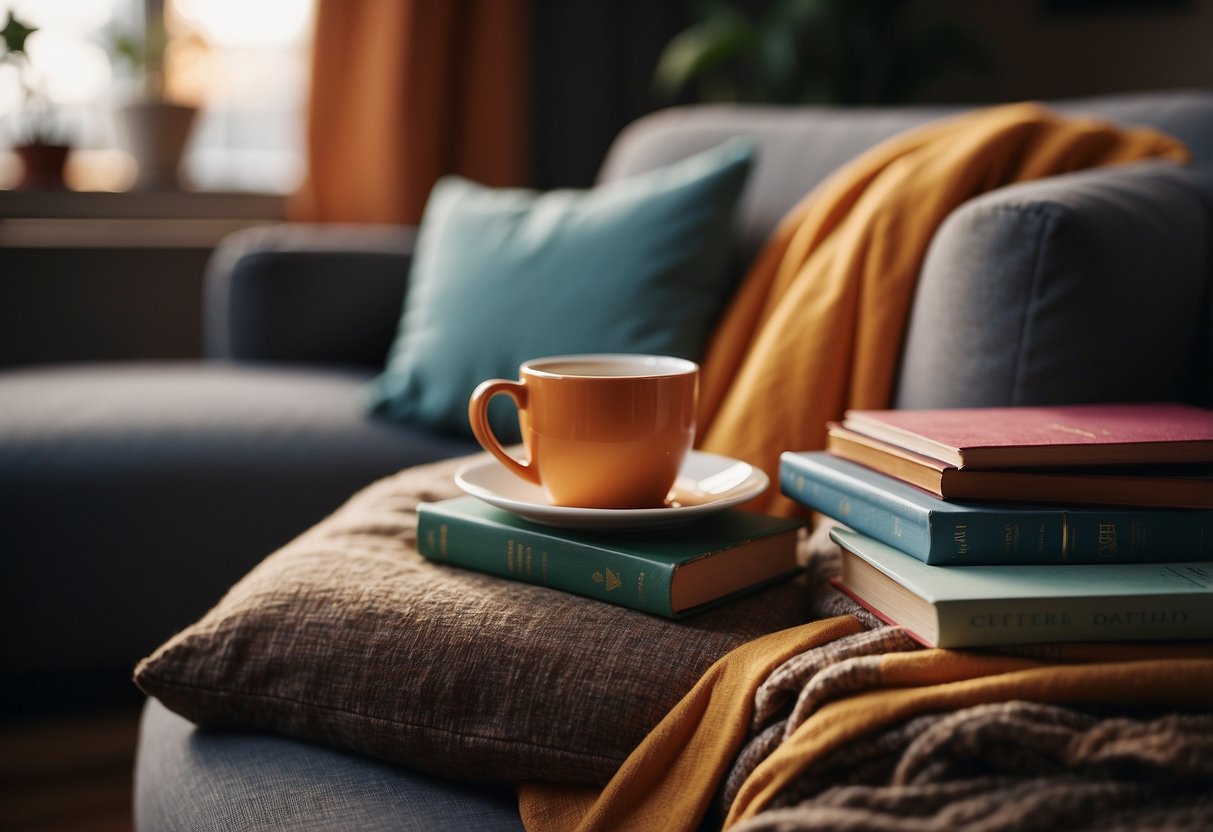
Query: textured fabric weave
x=908, y=685
x=837, y=716
x=1006, y=766
x=667, y=782
x=347, y=637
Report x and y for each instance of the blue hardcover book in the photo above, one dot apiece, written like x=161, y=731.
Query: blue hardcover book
x=939, y=532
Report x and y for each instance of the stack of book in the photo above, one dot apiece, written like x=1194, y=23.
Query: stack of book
x=985, y=526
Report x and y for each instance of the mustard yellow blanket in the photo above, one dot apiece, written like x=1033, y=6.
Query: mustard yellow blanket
x=815, y=328
x=816, y=325
x=846, y=723
x=671, y=780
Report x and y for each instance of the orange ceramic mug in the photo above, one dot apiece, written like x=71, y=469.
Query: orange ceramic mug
x=601, y=430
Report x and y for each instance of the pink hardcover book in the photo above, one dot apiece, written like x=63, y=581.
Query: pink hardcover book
x=1020, y=437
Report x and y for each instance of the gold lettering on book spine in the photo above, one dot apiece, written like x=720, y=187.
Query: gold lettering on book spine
x=610, y=580
x=1010, y=538
x=1107, y=540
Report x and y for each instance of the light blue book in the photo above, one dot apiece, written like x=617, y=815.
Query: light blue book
x=975, y=606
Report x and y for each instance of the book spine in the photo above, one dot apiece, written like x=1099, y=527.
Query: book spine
x=876, y=514
x=1036, y=620
x=545, y=560
x=994, y=535
x=1143, y=536
x=935, y=536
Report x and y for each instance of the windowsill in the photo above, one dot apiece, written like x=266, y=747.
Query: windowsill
x=160, y=219
x=179, y=205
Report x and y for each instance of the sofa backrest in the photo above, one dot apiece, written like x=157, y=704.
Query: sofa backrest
x=1095, y=286
x=1086, y=287
x=799, y=146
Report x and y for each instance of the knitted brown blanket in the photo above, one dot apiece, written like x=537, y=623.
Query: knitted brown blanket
x=1012, y=765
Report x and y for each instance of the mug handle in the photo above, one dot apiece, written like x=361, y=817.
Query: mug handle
x=478, y=415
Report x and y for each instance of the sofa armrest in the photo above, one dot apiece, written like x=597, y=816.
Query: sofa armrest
x=310, y=293
x=1086, y=287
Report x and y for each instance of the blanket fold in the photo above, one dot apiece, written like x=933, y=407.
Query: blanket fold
x=817, y=323
x=668, y=782
x=1010, y=767
x=945, y=681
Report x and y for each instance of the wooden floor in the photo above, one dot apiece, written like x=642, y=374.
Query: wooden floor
x=68, y=773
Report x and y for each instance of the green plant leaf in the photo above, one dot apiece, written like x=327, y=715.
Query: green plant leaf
x=848, y=52
x=128, y=48
x=700, y=51
x=15, y=34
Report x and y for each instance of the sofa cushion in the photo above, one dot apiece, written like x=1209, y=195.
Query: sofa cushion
x=1092, y=286
x=639, y=265
x=207, y=781
x=350, y=638
x=134, y=494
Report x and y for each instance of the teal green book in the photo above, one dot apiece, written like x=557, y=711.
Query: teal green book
x=668, y=572
x=977, y=606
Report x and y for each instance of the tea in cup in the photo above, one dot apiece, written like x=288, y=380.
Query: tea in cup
x=600, y=430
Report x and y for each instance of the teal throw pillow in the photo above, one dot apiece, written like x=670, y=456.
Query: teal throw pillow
x=500, y=276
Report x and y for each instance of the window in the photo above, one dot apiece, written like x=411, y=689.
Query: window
x=242, y=63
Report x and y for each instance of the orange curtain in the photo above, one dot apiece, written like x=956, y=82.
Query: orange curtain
x=405, y=91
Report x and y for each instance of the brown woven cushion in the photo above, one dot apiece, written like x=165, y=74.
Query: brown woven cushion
x=348, y=637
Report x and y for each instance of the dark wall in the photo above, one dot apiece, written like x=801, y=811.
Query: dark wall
x=1060, y=48
x=594, y=61
x=593, y=66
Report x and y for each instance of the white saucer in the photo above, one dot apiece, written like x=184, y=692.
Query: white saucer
x=707, y=483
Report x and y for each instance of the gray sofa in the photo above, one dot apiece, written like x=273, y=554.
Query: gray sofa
x=1093, y=286
x=132, y=495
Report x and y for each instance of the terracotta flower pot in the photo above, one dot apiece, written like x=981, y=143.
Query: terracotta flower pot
x=42, y=165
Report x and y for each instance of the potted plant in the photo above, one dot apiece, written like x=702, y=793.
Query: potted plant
x=841, y=52
x=156, y=128
x=41, y=142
